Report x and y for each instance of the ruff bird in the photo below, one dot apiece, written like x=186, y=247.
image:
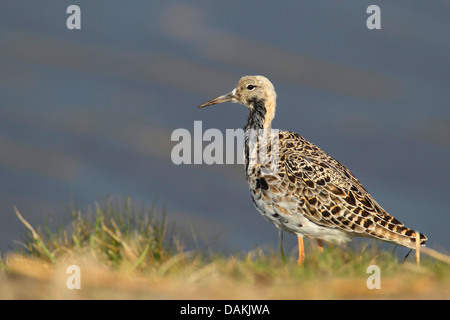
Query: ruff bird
x=303, y=190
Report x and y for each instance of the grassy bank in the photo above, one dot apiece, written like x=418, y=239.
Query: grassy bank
x=130, y=253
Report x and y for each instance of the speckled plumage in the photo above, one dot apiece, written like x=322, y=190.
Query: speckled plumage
x=309, y=193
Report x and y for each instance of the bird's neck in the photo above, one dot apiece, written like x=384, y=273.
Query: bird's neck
x=260, y=115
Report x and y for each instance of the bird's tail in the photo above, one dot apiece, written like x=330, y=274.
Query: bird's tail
x=399, y=234
x=410, y=240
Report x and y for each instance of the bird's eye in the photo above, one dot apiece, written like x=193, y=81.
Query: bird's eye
x=251, y=87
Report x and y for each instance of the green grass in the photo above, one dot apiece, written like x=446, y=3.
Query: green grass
x=115, y=232
x=120, y=242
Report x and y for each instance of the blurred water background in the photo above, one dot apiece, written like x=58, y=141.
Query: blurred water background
x=89, y=113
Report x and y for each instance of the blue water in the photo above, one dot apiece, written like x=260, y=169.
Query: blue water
x=88, y=113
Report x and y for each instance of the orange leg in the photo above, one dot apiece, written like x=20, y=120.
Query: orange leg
x=320, y=245
x=301, y=250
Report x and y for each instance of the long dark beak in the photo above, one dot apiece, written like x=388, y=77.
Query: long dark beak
x=230, y=97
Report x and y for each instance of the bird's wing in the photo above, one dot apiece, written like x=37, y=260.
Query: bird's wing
x=330, y=195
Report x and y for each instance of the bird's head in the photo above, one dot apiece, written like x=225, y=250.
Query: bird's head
x=250, y=91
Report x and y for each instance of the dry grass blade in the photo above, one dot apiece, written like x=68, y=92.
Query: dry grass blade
x=417, y=248
x=25, y=222
x=128, y=251
x=162, y=270
x=436, y=255
x=35, y=235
